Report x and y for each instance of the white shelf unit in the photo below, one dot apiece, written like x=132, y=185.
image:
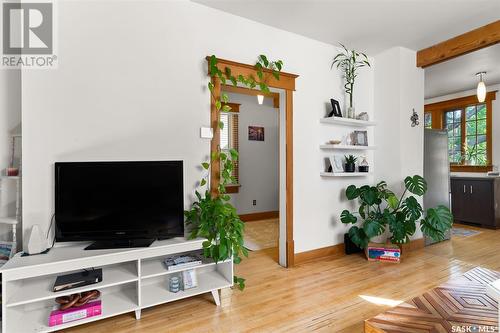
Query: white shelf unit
x=346, y=147
x=13, y=220
x=344, y=174
x=347, y=122
x=133, y=279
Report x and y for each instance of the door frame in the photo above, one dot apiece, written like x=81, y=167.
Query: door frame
x=286, y=82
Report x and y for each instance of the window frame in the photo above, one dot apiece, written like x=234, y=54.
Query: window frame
x=438, y=111
x=233, y=142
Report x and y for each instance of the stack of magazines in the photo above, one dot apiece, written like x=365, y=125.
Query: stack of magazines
x=180, y=261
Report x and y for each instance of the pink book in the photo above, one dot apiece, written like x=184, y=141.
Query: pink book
x=58, y=317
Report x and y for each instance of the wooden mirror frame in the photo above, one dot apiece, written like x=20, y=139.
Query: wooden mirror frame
x=287, y=83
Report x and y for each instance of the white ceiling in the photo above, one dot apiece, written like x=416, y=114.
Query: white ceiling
x=459, y=74
x=368, y=25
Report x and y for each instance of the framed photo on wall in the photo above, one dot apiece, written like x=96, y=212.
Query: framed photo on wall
x=255, y=133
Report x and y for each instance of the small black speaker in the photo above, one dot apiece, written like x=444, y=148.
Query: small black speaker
x=349, y=246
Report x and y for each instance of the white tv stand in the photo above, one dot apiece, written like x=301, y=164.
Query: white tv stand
x=133, y=279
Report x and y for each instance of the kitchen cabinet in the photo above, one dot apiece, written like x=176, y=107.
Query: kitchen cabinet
x=475, y=200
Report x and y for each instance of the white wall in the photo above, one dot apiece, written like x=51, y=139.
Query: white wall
x=399, y=88
x=259, y=160
x=113, y=98
x=10, y=122
x=495, y=116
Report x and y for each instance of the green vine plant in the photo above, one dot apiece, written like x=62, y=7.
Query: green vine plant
x=212, y=216
x=349, y=61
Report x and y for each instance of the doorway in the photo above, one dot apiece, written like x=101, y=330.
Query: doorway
x=284, y=88
x=252, y=127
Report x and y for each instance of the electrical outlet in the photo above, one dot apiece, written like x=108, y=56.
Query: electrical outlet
x=254, y=202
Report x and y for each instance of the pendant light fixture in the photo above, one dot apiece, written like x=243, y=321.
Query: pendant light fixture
x=481, y=88
x=260, y=99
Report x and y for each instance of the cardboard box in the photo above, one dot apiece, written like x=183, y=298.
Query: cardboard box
x=383, y=252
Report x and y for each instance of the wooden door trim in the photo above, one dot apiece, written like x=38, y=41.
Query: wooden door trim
x=286, y=83
x=473, y=40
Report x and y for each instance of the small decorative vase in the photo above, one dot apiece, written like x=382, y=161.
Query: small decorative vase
x=351, y=112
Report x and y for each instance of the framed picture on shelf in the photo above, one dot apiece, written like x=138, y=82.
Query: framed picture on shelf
x=360, y=138
x=335, y=109
x=337, y=163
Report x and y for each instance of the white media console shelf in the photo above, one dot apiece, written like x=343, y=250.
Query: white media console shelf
x=133, y=279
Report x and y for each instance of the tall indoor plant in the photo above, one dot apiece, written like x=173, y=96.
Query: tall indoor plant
x=212, y=216
x=349, y=61
x=381, y=208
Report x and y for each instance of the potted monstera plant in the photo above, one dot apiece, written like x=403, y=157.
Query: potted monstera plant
x=380, y=208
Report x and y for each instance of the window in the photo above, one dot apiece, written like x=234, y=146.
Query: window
x=468, y=124
x=453, y=121
x=229, y=138
x=428, y=120
x=475, y=147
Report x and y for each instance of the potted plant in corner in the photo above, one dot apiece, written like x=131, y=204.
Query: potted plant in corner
x=350, y=163
x=349, y=61
x=380, y=208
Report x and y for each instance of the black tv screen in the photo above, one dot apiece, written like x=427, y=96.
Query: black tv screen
x=108, y=200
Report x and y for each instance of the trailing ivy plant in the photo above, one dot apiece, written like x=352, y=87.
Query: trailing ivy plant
x=212, y=216
x=381, y=208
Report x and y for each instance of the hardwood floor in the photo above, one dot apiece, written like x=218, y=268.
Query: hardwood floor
x=324, y=295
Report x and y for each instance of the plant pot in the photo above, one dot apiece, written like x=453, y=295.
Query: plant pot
x=350, y=167
x=349, y=246
x=363, y=168
x=12, y=172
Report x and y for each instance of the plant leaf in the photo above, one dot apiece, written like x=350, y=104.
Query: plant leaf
x=416, y=185
x=205, y=165
x=358, y=237
x=352, y=192
x=373, y=228
x=346, y=217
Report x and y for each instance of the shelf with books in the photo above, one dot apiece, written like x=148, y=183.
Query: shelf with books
x=34, y=318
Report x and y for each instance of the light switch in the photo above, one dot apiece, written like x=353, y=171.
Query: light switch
x=206, y=133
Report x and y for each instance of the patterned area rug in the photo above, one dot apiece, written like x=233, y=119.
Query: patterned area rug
x=464, y=232
x=262, y=234
x=460, y=305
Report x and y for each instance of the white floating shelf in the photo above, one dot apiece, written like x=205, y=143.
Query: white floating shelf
x=347, y=147
x=347, y=122
x=8, y=220
x=344, y=174
x=10, y=177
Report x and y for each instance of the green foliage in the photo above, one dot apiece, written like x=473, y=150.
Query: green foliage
x=349, y=61
x=350, y=159
x=380, y=208
x=212, y=216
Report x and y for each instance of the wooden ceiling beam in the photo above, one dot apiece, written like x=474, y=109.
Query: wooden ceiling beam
x=468, y=42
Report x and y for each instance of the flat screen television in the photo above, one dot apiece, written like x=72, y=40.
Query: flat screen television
x=118, y=204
